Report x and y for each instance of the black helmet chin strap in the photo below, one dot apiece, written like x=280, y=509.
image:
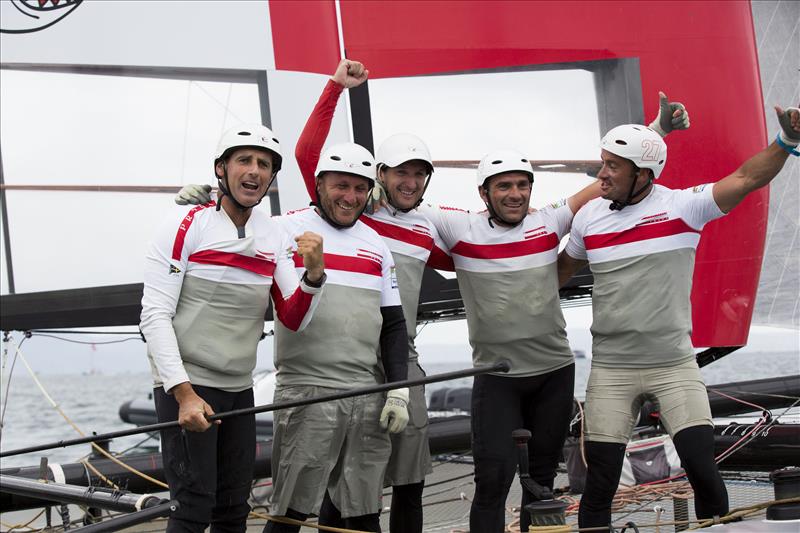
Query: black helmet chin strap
x=494, y=216
x=619, y=206
x=327, y=216
x=225, y=191
x=393, y=204
x=493, y=212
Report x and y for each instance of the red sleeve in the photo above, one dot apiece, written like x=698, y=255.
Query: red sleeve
x=440, y=260
x=316, y=130
x=292, y=310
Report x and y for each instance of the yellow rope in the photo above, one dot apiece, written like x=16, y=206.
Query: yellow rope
x=292, y=522
x=26, y=524
x=82, y=434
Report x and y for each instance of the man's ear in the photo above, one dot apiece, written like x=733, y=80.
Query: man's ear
x=484, y=194
x=219, y=169
x=644, y=174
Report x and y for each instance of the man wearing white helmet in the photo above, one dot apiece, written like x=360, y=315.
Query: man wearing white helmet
x=639, y=240
x=208, y=278
x=404, y=168
x=341, y=446
x=505, y=261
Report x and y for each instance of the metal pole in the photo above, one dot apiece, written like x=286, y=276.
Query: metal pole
x=112, y=500
x=6, y=231
x=132, y=519
x=502, y=366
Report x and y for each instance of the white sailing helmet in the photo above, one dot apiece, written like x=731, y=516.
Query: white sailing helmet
x=250, y=135
x=643, y=146
x=500, y=161
x=403, y=147
x=348, y=158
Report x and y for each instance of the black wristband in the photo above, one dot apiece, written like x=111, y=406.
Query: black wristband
x=314, y=284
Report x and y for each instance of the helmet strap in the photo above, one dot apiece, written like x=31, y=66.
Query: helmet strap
x=389, y=194
x=493, y=212
x=224, y=189
x=327, y=217
x=619, y=206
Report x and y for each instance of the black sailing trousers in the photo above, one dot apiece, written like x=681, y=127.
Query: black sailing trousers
x=209, y=473
x=500, y=404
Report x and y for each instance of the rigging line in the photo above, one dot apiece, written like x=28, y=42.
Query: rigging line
x=89, y=342
x=151, y=436
x=225, y=106
x=763, y=424
x=654, y=496
x=734, y=398
x=769, y=395
x=8, y=382
x=186, y=129
x=81, y=332
x=770, y=424
x=26, y=524
x=735, y=446
x=81, y=433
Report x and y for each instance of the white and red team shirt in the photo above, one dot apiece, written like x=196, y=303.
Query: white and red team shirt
x=412, y=239
x=206, y=290
x=642, y=259
x=509, y=282
x=339, y=348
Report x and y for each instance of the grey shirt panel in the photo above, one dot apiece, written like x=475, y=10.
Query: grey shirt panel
x=516, y=316
x=339, y=346
x=642, y=311
x=218, y=342
x=409, y=281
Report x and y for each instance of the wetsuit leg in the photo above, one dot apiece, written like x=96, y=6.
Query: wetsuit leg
x=602, y=478
x=367, y=522
x=406, y=512
x=496, y=412
x=546, y=414
x=236, y=452
x=695, y=447
x=329, y=515
x=276, y=527
x=190, y=465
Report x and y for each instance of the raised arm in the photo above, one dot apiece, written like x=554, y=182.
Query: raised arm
x=760, y=169
x=309, y=146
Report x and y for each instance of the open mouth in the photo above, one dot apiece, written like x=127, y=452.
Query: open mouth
x=345, y=207
x=250, y=186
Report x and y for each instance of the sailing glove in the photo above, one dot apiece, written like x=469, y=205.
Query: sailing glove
x=666, y=121
x=194, y=194
x=394, y=416
x=377, y=198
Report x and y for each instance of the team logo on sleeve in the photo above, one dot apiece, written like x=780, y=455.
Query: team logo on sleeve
x=699, y=188
x=393, y=277
x=174, y=270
